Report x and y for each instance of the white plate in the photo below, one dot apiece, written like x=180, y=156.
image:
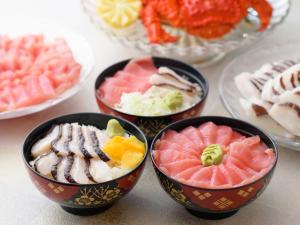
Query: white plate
x=80, y=48
x=251, y=62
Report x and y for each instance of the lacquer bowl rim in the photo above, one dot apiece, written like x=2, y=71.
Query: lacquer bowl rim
x=200, y=80
x=26, y=152
x=207, y=119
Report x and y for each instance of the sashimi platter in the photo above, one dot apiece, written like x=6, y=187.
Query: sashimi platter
x=150, y=109
x=42, y=64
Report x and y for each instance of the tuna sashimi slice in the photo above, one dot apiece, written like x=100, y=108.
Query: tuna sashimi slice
x=186, y=174
x=174, y=168
x=181, y=140
x=22, y=97
x=218, y=178
x=170, y=155
x=163, y=145
x=235, y=176
x=237, y=137
x=251, y=152
x=203, y=175
x=209, y=133
x=194, y=135
x=141, y=67
x=226, y=174
x=224, y=135
x=241, y=165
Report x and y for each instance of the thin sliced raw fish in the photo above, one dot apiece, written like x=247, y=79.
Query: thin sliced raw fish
x=224, y=135
x=163, y=145
x=186, y=174
x=194, y=135
x=142, y=66
x=218, y=178
x=243, y=174
x=226, y=174
x=175, y=167
x=237, y=137
x=240, y=164
x=203, y=175
x=181, y=140
x=170, y=155
x=209, y=133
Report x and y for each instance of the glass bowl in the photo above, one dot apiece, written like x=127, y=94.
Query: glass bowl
x=250, y=62
x=190, y=48
x=81, y=50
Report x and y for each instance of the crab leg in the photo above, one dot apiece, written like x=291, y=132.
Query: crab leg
x=264, y=10
x=151, y=20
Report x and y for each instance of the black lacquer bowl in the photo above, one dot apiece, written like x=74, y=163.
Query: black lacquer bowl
x=214, y=203
x=151, y=125
x=82, y=199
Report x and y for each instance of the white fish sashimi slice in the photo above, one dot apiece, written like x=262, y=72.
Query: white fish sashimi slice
x=44, y=145
x=74, y=145
x=61, y=167
x=288, y=116
x=78, y=171
x=101, y=135
x=88, y=145
x=60, y=146
x=245, y=86
x=100, y=171
x=44, y=163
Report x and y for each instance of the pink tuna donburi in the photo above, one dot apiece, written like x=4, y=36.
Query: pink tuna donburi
x=212, y=156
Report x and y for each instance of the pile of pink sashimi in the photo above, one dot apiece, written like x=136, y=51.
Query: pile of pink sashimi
x=245, y=159
x=133, y=78
x=33, y=70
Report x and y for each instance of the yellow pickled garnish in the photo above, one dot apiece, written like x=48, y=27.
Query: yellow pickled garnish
x=131, y=159
x=119, y=13
x=125, y=152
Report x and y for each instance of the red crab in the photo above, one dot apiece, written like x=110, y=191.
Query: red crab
x=208, y=19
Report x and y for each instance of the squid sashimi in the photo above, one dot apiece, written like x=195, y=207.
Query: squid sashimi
x=225, y=158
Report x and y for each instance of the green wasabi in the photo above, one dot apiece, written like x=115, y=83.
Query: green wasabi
x=114, y=128
x=212, y=155
x=174, y=99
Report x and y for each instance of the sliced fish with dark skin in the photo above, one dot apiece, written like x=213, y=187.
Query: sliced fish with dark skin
x=43, y=163
x=61, y=146
x=80, y=171
x=44, y=144
x=74, y=155
x=61, y=168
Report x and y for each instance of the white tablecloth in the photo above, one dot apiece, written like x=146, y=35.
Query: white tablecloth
x=21, y=203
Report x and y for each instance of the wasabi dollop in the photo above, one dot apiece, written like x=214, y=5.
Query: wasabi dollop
x=174, y=99
x=212, y=155
x=114, y=128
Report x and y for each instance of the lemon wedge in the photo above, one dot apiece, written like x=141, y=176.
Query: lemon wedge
x=119, y=13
